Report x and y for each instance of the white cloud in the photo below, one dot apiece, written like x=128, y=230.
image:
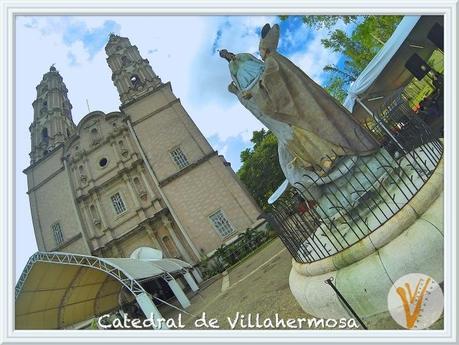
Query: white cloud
x=315, y=57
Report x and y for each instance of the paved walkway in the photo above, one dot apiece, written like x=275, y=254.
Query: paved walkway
x=257, y=285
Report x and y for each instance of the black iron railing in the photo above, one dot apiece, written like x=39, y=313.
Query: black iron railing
x=314, y=225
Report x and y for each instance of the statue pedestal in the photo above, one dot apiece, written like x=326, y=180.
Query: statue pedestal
x=411, y=241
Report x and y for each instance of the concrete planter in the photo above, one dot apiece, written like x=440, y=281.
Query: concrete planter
x=409, y=242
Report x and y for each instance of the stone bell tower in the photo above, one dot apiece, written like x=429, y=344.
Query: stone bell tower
x=132, y=75
x=207, y=203
x=52, y=123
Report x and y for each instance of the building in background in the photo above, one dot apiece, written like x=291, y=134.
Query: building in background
x=144, y=176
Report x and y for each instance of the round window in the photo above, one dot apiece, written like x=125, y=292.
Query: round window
x=103, y=162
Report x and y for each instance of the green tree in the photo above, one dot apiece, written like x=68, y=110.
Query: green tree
x=260, y=170
x=336, y=85
x=358, y=47
x=325, y=22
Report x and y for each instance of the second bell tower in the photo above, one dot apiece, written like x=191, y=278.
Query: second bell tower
x=131, y=74
x=53, y=123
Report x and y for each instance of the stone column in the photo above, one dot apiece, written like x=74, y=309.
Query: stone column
x=97, y=204
x=89, y=221
x=147, y=185
x=117, y=250
x=151, y=234
x=134, y=195
x=128, y=143
x=115, y=150
x=168, y=225
x=87, y=167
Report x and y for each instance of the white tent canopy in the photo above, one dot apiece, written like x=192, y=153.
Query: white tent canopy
x=386, y=73
x=57, y=290
x=377, y=64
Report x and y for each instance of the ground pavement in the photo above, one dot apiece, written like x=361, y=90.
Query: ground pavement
x=259, y=284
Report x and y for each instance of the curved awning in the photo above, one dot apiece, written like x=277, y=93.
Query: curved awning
x=386, y=72
x=382, y=58
x=57, y=290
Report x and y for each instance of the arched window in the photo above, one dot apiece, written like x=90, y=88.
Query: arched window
x=68, y=132
x=123, y=149
x=169, y=246
x=57, y=233
x=44, y=135
x=93, y=211
x=138, y=185
x=94, y=215
x=125, y=60
x=135, y=80
x=95, y=136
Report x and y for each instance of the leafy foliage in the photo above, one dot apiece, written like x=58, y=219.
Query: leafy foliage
x=357, y=47
x=336, y=87
x=260, y=170
x=230, y=254
x=364, y=42
x=325, y=22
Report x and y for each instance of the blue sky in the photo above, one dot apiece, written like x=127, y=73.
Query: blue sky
x=182, y=50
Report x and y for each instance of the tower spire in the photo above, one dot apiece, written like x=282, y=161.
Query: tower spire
x=131, y=74
x=52, y=123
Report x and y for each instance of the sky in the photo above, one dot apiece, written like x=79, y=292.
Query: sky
x=181, y=49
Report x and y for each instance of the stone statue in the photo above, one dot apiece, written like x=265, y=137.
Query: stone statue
x=319, y=141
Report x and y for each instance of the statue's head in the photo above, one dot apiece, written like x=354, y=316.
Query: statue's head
x=228, y=56
x=269, y=40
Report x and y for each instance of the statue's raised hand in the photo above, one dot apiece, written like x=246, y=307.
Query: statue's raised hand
x=233, y=88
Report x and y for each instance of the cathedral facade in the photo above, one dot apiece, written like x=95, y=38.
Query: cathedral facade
x=144, y=176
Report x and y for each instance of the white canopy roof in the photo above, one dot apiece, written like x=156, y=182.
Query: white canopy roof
x=377, y=64
x=57, y=290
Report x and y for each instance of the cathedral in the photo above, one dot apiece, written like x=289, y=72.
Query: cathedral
x=143, y=176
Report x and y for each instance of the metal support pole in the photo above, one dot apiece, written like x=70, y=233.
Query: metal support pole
x=189, y=279
x=196, y=275
x=178, y=292
x=149, y=309
x=341, y=297
x=379, y=122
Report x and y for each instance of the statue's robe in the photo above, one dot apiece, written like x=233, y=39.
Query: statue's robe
x=323, y=130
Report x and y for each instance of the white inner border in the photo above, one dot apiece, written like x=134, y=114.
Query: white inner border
x=10, y=9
